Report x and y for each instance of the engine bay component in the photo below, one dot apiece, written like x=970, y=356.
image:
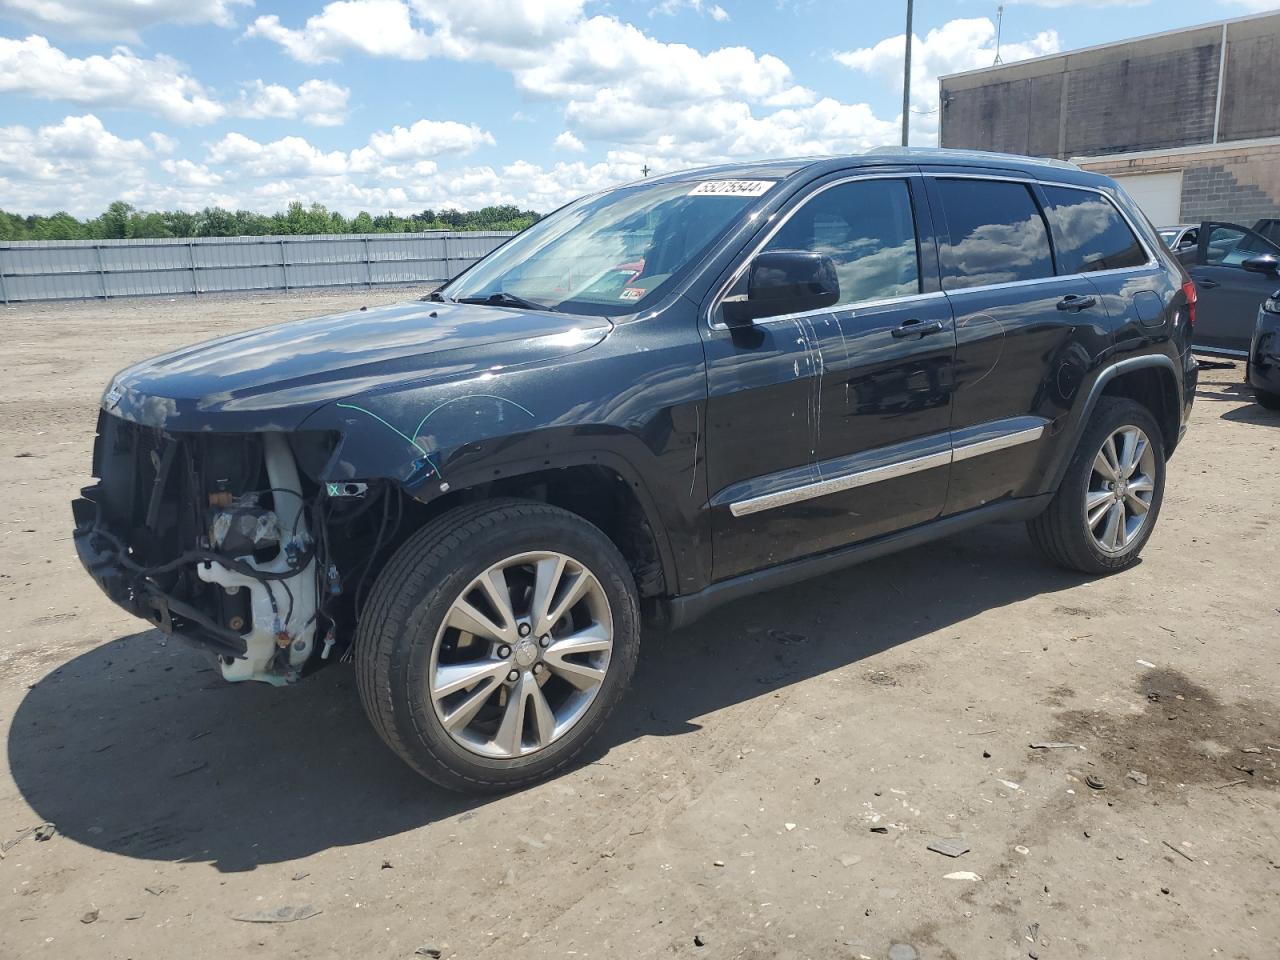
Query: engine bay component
x=284, y=610
x=245, y=528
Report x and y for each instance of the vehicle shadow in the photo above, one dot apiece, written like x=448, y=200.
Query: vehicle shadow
x=1253, y=413
x=138, y=748
x=1229, y=392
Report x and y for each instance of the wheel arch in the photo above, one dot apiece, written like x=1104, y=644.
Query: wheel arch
x=1155, y=387
x=1150, y=379
x=600, y=487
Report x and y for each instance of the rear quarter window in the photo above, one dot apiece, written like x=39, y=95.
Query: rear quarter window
x=1089, y=232
x=993, y=233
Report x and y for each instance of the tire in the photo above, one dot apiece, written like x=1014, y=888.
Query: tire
x=409, y=640
x=1267, y=399
x=1063, y=532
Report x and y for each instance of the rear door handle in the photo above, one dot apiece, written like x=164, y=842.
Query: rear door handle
x=914, y=329
x=1074, y=304
x=1207, y=284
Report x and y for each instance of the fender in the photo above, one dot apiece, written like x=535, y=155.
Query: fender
x=1070, y=436
x=633, y=410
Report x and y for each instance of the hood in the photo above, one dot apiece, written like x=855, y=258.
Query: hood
x=271, y=379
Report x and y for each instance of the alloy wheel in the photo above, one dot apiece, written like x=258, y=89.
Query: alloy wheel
x=521, y=655
x=1120, y=489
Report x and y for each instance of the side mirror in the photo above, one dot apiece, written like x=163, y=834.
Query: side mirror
x=781, y=282
x=1264, y=263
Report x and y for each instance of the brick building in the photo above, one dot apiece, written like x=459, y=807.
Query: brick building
x=1188, y=121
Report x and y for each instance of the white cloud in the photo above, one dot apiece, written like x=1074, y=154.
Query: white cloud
x=428, y=138
x=671, y=7
x=162, y=142
x=68, y=155
x=492, y=29
x=664, y=106
x=400, y=152
x=321, y=103
x=604, y=53
x=1099, y=3
x=616, y=83
x=288, y=156
x=955, y=46
x=567, y=141
x=379, y=28
x=190, y=174
x=552, y=51
x=1252, y=6
x=36, y=68
x=119, y=19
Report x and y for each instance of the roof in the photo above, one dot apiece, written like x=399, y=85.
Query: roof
x=781, y=169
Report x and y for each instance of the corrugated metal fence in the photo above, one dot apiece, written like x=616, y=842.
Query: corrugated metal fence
x=81, y=269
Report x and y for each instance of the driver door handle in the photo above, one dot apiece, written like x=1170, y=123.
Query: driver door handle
x=914, y=329
x=1207, y=284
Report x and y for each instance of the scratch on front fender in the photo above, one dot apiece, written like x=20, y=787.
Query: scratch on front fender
x=425, y=455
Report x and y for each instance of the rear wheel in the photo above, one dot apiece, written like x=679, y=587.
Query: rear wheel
x=1106, y=507
x=496, y=642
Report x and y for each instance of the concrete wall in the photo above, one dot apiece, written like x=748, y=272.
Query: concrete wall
x=1240, y=184
x=1146, y=94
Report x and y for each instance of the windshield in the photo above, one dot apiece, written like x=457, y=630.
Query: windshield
x=1168, y=236
x=607, y=253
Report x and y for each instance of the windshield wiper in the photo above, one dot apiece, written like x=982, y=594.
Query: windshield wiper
x=435, y=296
x=504, y=299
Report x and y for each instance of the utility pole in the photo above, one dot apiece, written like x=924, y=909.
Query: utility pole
x=645, y=169
x=906, y=83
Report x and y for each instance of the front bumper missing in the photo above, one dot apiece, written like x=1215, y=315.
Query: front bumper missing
x=139, y=595
x=185, y=588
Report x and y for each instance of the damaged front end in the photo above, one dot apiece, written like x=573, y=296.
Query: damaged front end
x=228, y=540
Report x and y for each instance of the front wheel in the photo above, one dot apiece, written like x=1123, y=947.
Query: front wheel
x=1106, y=507
x=496, y=642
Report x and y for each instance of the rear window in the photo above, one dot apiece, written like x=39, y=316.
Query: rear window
x=993, y=233
x=1089, y=232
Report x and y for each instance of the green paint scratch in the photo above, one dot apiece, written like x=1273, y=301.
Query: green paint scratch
x=469, y=396
x=408, y=439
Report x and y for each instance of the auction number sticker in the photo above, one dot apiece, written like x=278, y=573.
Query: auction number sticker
x=731, y=188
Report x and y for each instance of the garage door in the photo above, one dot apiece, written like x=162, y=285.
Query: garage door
x=1158, y=194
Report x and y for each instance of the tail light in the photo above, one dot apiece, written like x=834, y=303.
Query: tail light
x=1189, y=291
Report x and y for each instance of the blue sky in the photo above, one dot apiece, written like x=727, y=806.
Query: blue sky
x=405, y=104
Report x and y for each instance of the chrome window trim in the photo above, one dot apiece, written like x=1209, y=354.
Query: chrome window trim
x=889, y=471
x=1061, y=276
x=769, y=235
x=851, y=308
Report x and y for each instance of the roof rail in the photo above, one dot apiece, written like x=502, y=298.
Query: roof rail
x=952, y=153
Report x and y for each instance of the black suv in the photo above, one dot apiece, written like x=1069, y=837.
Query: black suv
x=659, y=398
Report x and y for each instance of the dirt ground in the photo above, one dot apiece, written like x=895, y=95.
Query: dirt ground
x=768, y=790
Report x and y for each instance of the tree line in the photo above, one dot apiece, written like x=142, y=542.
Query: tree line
x=122, y=221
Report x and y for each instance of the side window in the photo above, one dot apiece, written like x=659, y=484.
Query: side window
x=1230, y=245
x=867, y=228
x=1089, y=232
x=994, y=233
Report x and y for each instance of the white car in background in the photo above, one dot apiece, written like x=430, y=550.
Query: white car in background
x=1181, y=237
